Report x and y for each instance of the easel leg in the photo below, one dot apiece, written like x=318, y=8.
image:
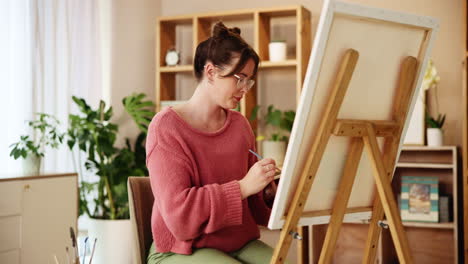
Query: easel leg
x=386, y=196
x=373, y=235
x=303, y=245
x=341, y=200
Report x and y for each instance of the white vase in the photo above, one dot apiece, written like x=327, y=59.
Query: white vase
x=277, y=51
x=114, y=241
x=435, y=137
x=275, y=150
x=32, y=165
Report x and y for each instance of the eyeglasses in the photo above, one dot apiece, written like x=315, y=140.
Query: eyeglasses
x=242, y=83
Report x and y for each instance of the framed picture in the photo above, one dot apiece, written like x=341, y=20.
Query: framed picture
x=420, y=199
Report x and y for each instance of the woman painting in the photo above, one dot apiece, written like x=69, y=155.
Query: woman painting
x=208, y=188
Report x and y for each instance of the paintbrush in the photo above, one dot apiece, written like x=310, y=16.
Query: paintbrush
x=92, y=252
x=84, y=252
x=55, y=259
x=278, y=171
x=75, y=246
x=68, y=255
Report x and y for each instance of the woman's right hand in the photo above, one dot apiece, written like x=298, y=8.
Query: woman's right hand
x=258, y=177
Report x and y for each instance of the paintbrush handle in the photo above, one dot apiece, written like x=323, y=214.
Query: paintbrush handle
x=92, y=253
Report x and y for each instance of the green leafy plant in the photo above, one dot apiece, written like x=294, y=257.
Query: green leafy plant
x=94, y=134
x=47, y=135
x=281, y=121
x=139, y=110
x=435, y=123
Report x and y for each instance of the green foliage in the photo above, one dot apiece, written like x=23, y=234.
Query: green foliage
x=282, y=121
x=140, y=111
x=435, y=123
x=47, y=134
x=94, y=134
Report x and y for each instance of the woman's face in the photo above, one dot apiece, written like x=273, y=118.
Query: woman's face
x=225, y=91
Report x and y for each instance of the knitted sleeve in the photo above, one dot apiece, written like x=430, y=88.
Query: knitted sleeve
x=190, y=211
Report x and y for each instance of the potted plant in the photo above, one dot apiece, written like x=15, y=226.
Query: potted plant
x=280, y=124
x=32, y=149
x=106, y=201
x=435, y=133
x=277, y=50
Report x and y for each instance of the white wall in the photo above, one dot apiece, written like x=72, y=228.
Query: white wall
x=132, y=56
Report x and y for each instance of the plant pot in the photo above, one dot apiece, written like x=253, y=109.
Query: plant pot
x=277, y=51
x=114, y=241
x=32, y=165
x=435, y=137
x=275, y=150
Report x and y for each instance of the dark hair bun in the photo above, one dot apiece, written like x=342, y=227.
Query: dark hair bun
x=221, y=31
x=235, y=30
x=220, y=48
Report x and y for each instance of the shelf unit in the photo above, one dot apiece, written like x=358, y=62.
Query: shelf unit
x=429, y=242
x=443, y=163
x=201, y=25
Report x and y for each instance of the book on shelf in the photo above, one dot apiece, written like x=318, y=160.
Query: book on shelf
x=444, y=209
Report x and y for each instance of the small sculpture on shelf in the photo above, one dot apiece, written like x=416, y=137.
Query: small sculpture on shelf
x=277, y=50
x=172, y=57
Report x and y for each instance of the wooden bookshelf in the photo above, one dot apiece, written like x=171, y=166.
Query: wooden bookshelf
x=201, y=25
x=429, y=242
x=425, y=238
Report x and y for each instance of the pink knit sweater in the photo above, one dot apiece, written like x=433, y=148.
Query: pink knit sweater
x=194, y=178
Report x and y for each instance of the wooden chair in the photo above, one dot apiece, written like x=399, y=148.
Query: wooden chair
x=140, y=198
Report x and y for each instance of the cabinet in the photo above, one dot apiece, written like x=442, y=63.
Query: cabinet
x=428, y=242
x=35, y=216
x=200, y=25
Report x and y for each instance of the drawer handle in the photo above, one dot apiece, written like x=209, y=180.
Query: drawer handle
x=27, y=187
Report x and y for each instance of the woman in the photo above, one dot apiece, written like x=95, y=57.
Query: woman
x=208, y=188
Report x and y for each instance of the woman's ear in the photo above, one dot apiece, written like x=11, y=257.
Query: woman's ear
x=210, y=72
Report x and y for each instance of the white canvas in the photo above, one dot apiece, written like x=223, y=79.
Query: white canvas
x=383, y=39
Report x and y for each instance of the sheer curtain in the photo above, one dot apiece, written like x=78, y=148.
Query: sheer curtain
x=50, y=50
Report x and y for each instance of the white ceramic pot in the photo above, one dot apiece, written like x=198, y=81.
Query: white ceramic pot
x=32, y=165
x=114, y=241
x=435, y=137
x=275, y=150
x=277, y=51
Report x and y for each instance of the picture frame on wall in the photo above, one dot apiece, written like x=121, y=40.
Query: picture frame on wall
x=420, y=199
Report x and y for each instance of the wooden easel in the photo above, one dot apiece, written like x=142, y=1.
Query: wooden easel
x=364, y=134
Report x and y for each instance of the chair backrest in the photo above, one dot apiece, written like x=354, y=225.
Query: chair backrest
x=140, y=198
